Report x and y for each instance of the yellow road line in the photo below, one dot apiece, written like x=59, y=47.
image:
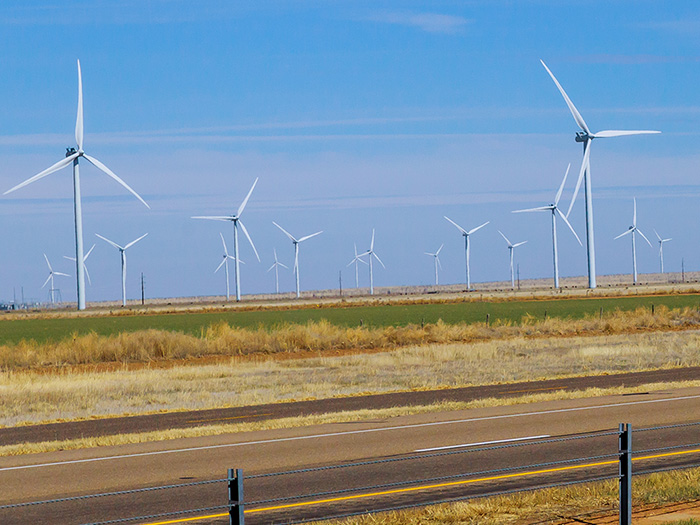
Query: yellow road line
x=427, y=487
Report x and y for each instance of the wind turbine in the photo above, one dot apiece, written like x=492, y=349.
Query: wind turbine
x=52, y=290
x=296, y=242
x=236, y=220
x=436, y=258
x=371, y=254
x=357, y=259
x=585, y=136
x=554, y=208
x=73, y=155
x=661, y=249
x=466, y=235
x=87, y=274
x=224, y=263
x=633, y=229
x=276, y=266
x=511, y=247
x=122, y=250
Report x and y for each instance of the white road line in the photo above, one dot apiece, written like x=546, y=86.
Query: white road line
x=496, y=442
x=347, y=433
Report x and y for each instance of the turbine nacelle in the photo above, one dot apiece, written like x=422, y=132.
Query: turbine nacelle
x=582, y=136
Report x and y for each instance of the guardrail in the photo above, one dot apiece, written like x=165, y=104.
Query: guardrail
x=319, y=505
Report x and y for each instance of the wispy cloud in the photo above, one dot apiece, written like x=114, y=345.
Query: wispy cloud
x=429, y=22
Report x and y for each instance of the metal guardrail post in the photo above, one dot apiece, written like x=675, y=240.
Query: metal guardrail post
x=625, y=450
x=235, y=496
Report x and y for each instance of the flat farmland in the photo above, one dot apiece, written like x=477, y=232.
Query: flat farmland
x=14, y=329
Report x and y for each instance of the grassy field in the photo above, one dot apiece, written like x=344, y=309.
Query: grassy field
x=14, y=329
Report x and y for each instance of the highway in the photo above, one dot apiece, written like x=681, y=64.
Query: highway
x=73, y=473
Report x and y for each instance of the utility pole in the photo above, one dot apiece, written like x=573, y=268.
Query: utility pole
x=518, y=276
x=340, y=281
x=682, y=270
x=143, y=293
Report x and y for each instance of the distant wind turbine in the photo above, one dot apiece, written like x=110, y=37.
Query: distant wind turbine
x=436, y=258
x=633, y=230
x=224, y=263
x=466, y=234
x=661, y=249
x=554, y=208
x=122, y=250
x=73, y=156
x=356, y=260
x=236, y=220
x=52, y=290
x=586, y=137
x=370, y=253
x=296, y=242
x=511, y=247
x=276, y=266
x=87, y=274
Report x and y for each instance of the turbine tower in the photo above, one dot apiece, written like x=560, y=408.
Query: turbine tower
x=511, y=247
x=371, y=254
x=661, y=249
x=73, y=155
x=236, y=220
x=436, y=258
x=586, y=137
x=633, y=230
x=296, y=242
x=87, y=274
x=276, y=266
x=356, y=260
x=554, y=208
x=122, y=252
x=52, y=290
x=466, y=234
x=224, y=263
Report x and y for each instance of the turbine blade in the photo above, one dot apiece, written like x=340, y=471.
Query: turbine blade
x=109, y=172
x=465, y=232
x=220, y=264
x=566, y=221
x=224, y=244
x=79, y=118
x=644, y=237
x=506, y=238
x=561, y=187
x=439, y=249
x=88, y=253
x=69, y=258
x=634, y=213
x=657, y=234
x=540, y=208
x=519, y=244
x=623, y=133
x=271, y=267
x=48, y=171
x=380, y=261
x=584, y=166
x=134, y=242
x=438, y=261
x=577, y=116
x=666, y=240
x=283, y=265
x=245, y=231
x=309, y=236
x=61, y=273
x=48, y=263
x=245, y=201
x=214, y=217
x=624, y=233
x=477, y=228
x=371, y=244
x=110, y=242
x=47, y=280
x=291, y=237
x=87, y=274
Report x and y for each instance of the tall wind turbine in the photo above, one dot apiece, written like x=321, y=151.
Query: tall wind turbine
x=224, y=263
x=511, y=247
x=633, y=230
x=554, y=208
x=436, y=258
x=371, y=254
x=661, y=249
x=356, y=260
x=466, y=234
x=296, y=242
x=276, y=266
x=87, y=274
x=122, y=252
x=236, y=220
x=585, y=136
x=52, y=291
x=73, y=155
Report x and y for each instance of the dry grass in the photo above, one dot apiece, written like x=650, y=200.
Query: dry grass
x=224, y=340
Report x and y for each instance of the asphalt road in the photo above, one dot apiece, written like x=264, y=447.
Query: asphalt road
x=73, y=473
x=185, y=419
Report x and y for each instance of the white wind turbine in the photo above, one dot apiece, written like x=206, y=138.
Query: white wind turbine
x=511, y=247
x=356, y=260
x=73, y=155
x=371, y=254
x=296, y=242
x=224, y=263
x=633, y=230
x=87, y=274
x=122, y=250
x=466, y=234
x=554, y=208
x=661, y=249
x=585, y=136
x=276, y=266
x=236, y=220
x=436, y=258
x=52, y=290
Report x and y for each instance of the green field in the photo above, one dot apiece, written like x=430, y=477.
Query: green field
x=14, y=330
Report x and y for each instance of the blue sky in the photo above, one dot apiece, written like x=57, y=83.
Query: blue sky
x=354, y=115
